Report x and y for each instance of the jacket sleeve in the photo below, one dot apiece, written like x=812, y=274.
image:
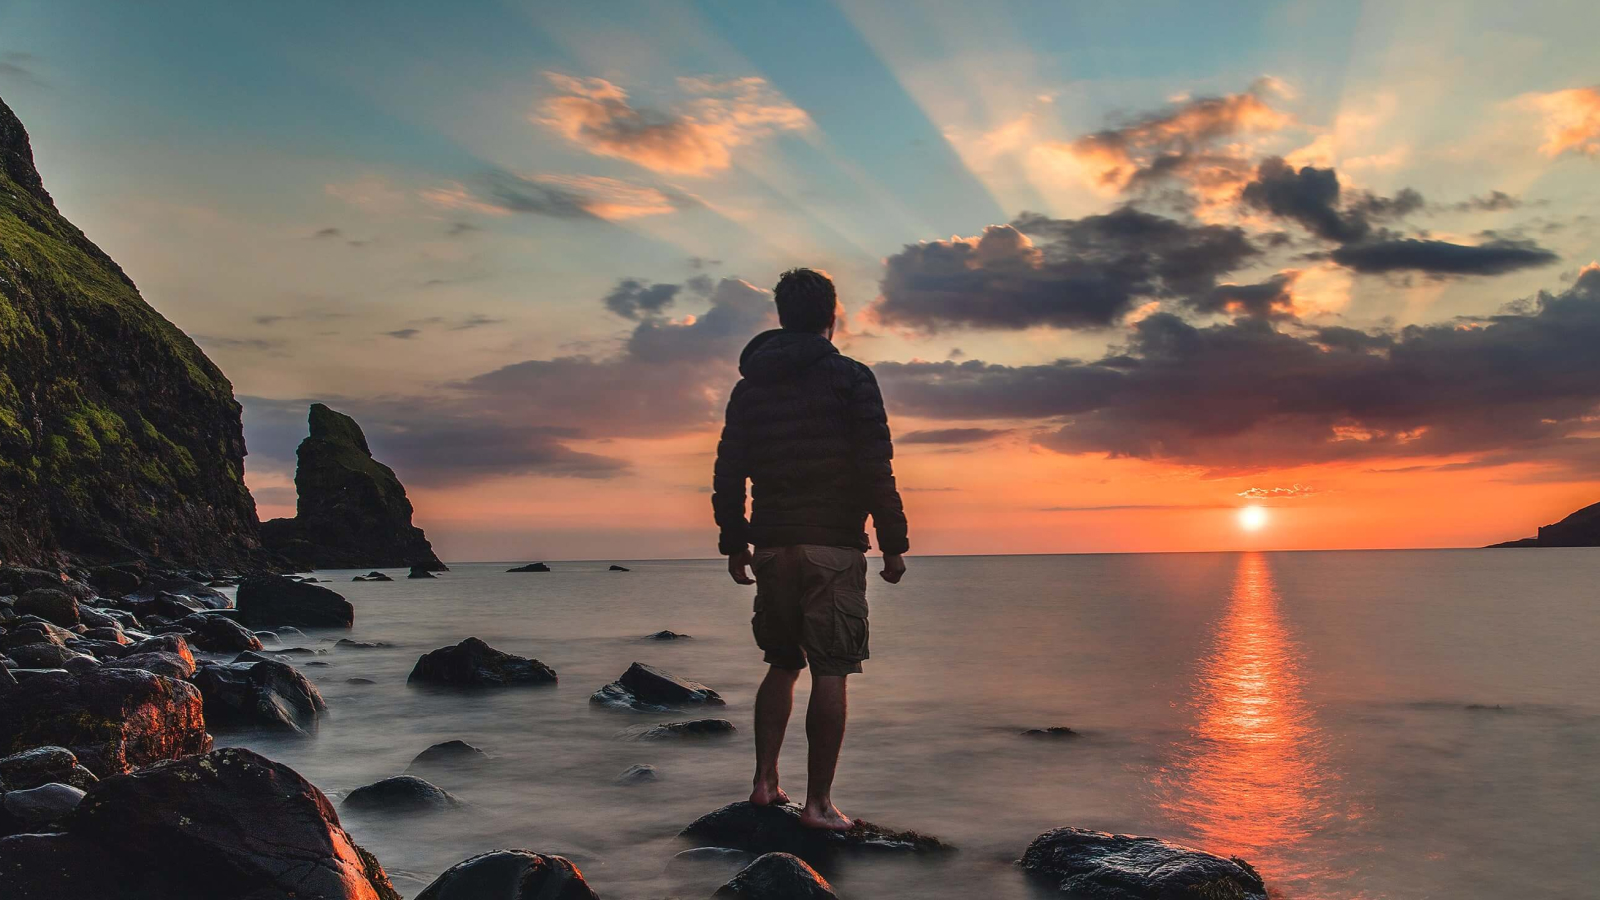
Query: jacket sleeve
x=728, y=481
x=874, y=450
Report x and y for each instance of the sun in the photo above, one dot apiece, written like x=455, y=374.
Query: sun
x=1252, y=518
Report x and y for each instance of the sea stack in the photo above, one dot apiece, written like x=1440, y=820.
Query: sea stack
x=352, y=510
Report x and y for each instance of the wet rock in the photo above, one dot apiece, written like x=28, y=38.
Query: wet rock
x=617, y=568
x=45, y=656
x=450, y=754
x=265, y=694
x=778, y=876
x=359, y=681
x=176, y=644
x=1054, y=731
x=648, y=689
x=472, y=663
x=21, y=675
x=44, y=804
x=112, y=634
x=80, y=664
x=229, y=824
x=777, y=829
x=186, y=590
x=91, y=617
x=169, y=664
x=698, y=859
x=698, y=728
x=34, y=631
x=21, y=579
x=510, y=875
x=638, y=774
x=400, y=794
x=219, y=634
x=667, y=636
x=420, y=572
x=43, y=765
x=161, y=608
x=361, y=645
x=268, y=601
x=112, y=719
x=1125, y=867
x=51, y=604
x=531, y=567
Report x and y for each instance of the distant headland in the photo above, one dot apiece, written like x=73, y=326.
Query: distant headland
x=1581, y=529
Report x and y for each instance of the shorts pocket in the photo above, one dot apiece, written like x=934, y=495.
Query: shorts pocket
x=850, y=625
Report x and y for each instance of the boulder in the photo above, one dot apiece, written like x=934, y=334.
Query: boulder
x=698, y=728
x=161, y=608
x=266, y=694
x=169, y=664
x=34, y=631
x=6, y=678
x=421, y=572
x=352, y=512
x=450, y=755
x=97, y=618
x=229, y=825
x=1087, y=863
x=113, y=720
x=617, y=568
x=189, y=591
x=648, y=689
x=268, y=601
x=637, y=774
x=44, y=656
x=472, y=663
x=666, y=636
x=360, y=645
x=176, y=644
x=219, y=634
x=778, y=876
x=21, y=579
x=51, y=604
x=44, y=804
x=777, y=829
x=400, y=794
x=531, y=567
x=111, y=634
x=359, y=681
x=43, y=765
x=510, y=875
x=110, y=579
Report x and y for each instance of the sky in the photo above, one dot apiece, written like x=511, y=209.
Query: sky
x=1121, y=270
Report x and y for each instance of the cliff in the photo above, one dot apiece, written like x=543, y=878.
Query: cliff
x=118, y=437
x=1581, y=529
x=352, y=512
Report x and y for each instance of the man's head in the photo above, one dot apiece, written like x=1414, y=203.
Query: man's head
x=806, y=301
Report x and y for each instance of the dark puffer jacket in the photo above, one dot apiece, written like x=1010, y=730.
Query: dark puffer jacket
x=806, y=427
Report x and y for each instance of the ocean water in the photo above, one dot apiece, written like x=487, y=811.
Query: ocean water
x=1403, y=724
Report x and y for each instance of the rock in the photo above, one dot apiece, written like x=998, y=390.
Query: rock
x=1054, y=731
x=472, y=663
x=22, y=675
x=35, y=631
x=778, y=876
x=359, y=681
x=54, y=606
x=110, y=579
x=648, y=689
x=510, y=875
x=617, y=568
x=1124, y=867
x=44, y=804
x=169, y=664
x=189, y=591
x=268, y=601
x=44, y=655
x=421, y=572
x=352, y=510
x=1581, y=529
x=400, y=794
x=531, y=567
x=360, y=645
x=97, y=618
x=379, y=576
x=450, y=754
x=21, y=579
x=43, y=765
x=80, y=664
x=163, y=607
x=176, y=644
x=694, y=861
x=230, y=824
x=218, y=634
x=777, y=829
x=265, y=694
x=112, y=635
x=695, y=729
x=6, y=678
x=113, y=720
x=637, y=774
x=666, y=636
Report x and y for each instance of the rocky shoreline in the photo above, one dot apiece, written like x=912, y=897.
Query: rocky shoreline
x=112, y=679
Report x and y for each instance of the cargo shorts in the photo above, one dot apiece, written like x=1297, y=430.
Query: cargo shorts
x=811, y=607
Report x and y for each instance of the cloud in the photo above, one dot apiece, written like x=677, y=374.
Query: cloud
x=1266, y=299
x=1496, y=201
x=633, y=299
x=404, y=334
x=1571, y=121
x=1123, y=507
x=952, y=435
x=1245, y=395
x=500, y=193
x=696, y=138
x=1292, y=492
x=20, y=66
x=1309, y=196
x=1442, y=257
x=329, y=232
x=1082, y=273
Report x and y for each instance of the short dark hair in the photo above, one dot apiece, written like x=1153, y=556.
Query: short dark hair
x=806, y=300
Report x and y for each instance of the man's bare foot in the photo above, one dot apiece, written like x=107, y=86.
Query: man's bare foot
x=768, y=795
x=826, y=818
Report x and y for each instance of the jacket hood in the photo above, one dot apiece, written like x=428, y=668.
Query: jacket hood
x=778, y=355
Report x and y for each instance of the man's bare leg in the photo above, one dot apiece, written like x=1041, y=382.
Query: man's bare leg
x=824, y=736
x=774, y=701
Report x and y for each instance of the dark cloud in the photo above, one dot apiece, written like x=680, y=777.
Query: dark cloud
x=1442, y=257
x=1267, y=299
x=329, y=232
x=633, y=299
x=1496, y=201
x=1067, y=273
x=514, y=193
x=700, y=262
x=1309, y=196
x=458, y=229
x=404, y=334
x=1246, y=395
x=952, y=435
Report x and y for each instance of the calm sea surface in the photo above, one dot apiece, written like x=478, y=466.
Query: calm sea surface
x=1357, y=724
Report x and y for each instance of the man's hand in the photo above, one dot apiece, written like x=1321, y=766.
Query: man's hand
x=894, y=568
x=738, y=565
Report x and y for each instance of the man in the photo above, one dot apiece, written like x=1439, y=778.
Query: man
x=806, y=427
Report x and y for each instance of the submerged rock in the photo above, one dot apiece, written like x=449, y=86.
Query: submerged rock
x=263, y=694
x=450, y=754
x=698, y=728
x=229, y=824
x=638, y=774
x=43, y=765
x=421, y=572
x=113, y=720
x=617, y=568
x=510, y=875
x=1054, y=731
x=695, y=860
x=360, y=645
x=531, y=567
x=270, y=601
x=667, y=636
x=400, y=794
x=649, y=689
x=1125, y=867
x=778, y=876
x=777, y=829
x=472, y=663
